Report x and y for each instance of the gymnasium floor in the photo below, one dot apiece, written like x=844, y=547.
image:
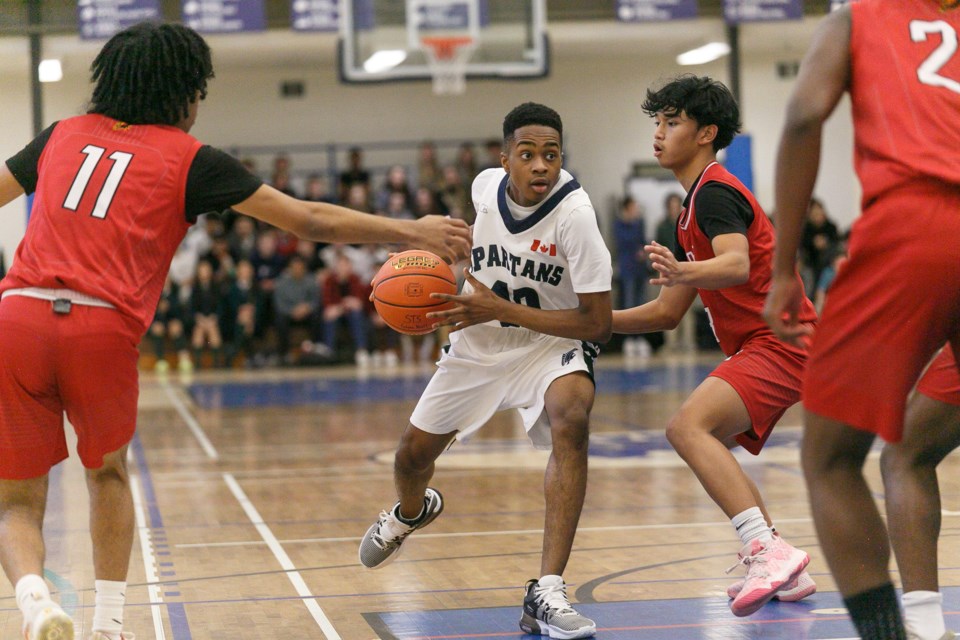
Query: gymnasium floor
x=253, y=489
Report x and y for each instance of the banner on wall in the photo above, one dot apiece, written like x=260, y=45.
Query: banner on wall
x=655, y=10
x=224, y=16
x=735, y=11
x=100, y=19
x=315, y=15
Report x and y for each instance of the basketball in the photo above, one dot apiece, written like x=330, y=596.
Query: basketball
x=402, y=288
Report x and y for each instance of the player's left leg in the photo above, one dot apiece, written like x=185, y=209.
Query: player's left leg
x=912, y=494
x=852, y=534
x=701, y=432
x=546, y=608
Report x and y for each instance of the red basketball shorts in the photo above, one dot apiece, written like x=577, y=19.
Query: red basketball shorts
x=894, y=303
x=941, y=381
x=83, y=363
x=766, y=374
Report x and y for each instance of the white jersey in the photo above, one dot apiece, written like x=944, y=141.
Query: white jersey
x=540, y=256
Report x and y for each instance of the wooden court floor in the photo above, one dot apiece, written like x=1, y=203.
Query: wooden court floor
x=252, y=491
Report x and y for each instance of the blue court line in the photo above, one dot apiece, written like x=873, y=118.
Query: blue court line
x=176, y=613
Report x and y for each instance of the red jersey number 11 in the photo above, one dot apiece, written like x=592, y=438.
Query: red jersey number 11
x=121, y=160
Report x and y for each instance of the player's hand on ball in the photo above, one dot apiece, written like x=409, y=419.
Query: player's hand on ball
x=449, y=238
x=479, y=306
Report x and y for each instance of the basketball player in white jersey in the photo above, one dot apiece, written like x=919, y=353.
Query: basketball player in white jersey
x=535, y=300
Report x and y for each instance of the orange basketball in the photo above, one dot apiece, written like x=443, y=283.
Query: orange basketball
x=402, y=288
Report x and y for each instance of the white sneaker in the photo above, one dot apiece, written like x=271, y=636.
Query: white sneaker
x=381, y=544
x=547, y=612
x=948, y=635
x=48, y=622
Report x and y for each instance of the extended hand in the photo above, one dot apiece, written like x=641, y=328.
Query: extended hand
x=447, y=237
x=665, y=263
x=479, y=306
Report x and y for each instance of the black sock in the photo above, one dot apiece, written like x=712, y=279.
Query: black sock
x=876, y=614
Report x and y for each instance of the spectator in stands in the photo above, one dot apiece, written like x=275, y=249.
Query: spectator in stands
x=836, y=255
x=168, y=325
x=397, y=207
x=241, y=309
x=396, y=182
x=296, y=302
x=310, y=252
x=318, y=189
x=817, y=244
x=205, y=309
x=358, y=197
x=492, y=149
x=242, y=238
x=428, y=167
x=630, y=235
x=666, y=233
x=344, y=294
x=267, y=263
x=467, y=163
x=281, y=182
x=220, y=258
x=354, y=174
x=426, y=203
x=455, y=195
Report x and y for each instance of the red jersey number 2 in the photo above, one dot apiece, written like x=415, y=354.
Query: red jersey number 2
x=928, y=71
x=121, y=160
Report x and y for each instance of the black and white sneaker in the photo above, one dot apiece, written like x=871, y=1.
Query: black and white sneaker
x=547, y=612
x=381, y=543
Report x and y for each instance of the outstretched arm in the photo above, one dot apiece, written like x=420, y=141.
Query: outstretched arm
x=320, y=221
x=590, y=320
x=824, y=76
x=729, y=267
x=661, y=314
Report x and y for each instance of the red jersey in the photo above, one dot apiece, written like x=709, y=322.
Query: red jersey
x=108, y=212
x=905, y=91
x=734, y=312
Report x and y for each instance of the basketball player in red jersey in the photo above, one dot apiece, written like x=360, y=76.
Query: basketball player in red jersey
x=896, y=300
x=115, y=192
x=724, y=248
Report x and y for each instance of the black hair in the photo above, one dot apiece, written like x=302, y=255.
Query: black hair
x=703, y=99
x=531, y=113
x=149, y=74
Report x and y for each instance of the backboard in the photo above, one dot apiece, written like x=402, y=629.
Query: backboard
x=387, y=40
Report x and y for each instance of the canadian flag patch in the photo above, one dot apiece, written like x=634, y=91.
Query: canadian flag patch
x=550, y=249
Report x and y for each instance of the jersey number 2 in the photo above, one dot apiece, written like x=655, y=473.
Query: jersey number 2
x=121, y=160
x=927, y=72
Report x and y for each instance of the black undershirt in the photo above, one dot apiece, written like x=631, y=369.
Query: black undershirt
x=720, y=209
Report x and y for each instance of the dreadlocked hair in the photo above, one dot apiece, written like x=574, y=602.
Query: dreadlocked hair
x=702, y=99
x=149, y=74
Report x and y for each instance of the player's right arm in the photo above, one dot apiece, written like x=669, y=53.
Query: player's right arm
x=824, y=76
x=324, y=222
x=663, y=313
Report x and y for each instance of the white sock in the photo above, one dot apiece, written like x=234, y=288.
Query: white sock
x=750, y=525
x=923, y=614
x=30, y=590
x=108, y=609
x=550, y=580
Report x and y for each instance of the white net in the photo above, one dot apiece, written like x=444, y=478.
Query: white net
x=447, y=59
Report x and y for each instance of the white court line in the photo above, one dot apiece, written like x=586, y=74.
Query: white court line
x=149, y=562
x=191, y=422
x=475, y=534
x=295, y=578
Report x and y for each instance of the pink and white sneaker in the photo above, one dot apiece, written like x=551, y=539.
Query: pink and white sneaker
x=794, y=591
x=771, y=565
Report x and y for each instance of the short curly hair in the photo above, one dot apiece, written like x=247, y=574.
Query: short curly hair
x=530, y=113
x=702, y=99
x=149, y=74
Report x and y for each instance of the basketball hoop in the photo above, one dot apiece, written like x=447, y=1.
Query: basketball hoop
x=447, y=59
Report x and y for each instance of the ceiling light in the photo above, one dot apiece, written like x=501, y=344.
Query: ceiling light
x=704, y=54
x=384, y=60
x=50, y=71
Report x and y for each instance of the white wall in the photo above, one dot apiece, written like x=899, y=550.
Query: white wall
x=598, y=94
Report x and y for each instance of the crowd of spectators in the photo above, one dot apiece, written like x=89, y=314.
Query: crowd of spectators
x=241, y=293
